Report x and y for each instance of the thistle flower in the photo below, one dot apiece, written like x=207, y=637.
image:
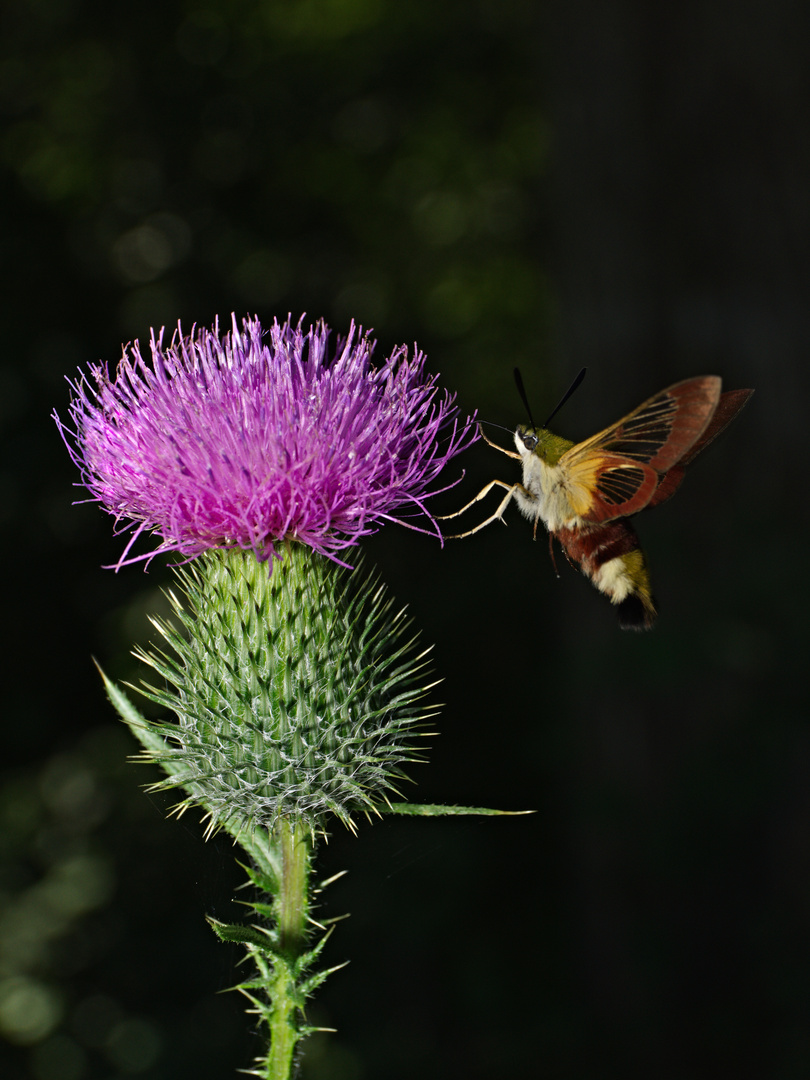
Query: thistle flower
x=248, y=439
x=298, y=694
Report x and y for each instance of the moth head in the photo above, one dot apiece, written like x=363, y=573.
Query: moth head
x=536, y=442
x=526, y=439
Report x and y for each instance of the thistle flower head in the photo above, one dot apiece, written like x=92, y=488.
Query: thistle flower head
x=250, y=438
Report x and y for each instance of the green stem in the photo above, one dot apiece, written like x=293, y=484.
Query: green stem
x=292, y=897
x=290, y=908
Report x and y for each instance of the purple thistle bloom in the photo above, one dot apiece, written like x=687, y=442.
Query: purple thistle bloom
x=244, y=440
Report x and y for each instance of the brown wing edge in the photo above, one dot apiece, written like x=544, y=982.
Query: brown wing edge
x=729, y=405
x=696, y=403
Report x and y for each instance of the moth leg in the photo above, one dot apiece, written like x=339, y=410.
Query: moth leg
x=494, y=445
x=482, y=494
x=497, y=516
x=551, y=553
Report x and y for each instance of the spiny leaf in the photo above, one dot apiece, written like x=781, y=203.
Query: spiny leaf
x=435, y=810
x=243, y=935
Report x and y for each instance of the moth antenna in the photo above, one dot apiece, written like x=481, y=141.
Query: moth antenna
x=522, y=391
x=566, y=396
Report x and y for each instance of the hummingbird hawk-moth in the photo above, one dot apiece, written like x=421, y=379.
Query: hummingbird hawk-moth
x=585, y=492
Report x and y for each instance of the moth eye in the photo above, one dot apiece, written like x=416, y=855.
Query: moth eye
x=529, y=441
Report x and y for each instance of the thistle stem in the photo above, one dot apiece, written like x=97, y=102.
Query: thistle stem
x=292, y=898
x=290, y=908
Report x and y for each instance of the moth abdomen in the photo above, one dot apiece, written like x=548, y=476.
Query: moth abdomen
x=610, y=556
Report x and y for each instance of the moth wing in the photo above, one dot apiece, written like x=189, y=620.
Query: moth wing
x=601, y=487
x=617, y=471
x=661, y=430
x=728, y=406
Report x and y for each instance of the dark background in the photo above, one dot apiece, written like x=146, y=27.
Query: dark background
x=622, y=185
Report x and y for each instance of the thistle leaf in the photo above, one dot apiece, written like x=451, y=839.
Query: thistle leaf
x=242, y=935
x=435, y=810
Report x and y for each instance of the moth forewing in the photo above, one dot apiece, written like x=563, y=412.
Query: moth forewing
x=661, y=430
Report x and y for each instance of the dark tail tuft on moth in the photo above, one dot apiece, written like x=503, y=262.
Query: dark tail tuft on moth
x=637, y=613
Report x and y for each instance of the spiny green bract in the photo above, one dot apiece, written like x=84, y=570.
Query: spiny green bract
x=294, y=691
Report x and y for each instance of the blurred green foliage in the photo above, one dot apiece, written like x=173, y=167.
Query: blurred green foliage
x=350, y=159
